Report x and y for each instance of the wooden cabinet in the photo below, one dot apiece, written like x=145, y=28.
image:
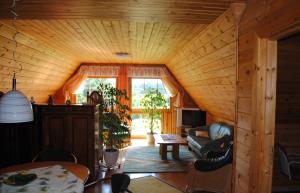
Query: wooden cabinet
x=70, y=127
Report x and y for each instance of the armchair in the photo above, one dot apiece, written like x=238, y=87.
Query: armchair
x=212, y=173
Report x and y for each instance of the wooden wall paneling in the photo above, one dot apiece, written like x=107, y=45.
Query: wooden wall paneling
x=205, y=67
x=272, y=19
x=265, y=118
x=44, y=68
x=245, y=132
x=257, y=72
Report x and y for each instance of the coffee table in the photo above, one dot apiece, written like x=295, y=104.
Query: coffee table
x=165, y=140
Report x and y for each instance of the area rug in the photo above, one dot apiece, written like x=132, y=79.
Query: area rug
x=146, y=159
x=150, y=184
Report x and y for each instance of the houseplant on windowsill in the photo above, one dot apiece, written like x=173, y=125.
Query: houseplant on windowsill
x=114, y=120
x=152, y=103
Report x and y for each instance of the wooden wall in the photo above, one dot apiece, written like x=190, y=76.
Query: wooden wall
x=288, y=94
x=44, y=68
x=206, y=68
x=262, y=22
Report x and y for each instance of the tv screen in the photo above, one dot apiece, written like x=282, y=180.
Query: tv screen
x=194, y=118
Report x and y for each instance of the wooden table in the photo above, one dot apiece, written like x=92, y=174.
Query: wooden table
x=165, y=140
x=79, y=170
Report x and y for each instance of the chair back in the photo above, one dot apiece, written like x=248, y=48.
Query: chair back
x=283, y=161
x=94, y=98
x=55, y=155
x=120, y=183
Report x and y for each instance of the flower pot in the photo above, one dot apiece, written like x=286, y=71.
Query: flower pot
x=111, y=157
x=150, y=138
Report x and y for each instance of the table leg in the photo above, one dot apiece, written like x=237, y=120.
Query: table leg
x=160, y=149
x=163, y=154
x=175, y=151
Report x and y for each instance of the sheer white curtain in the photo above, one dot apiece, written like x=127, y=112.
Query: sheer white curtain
x=84, y=71
x=162, y=73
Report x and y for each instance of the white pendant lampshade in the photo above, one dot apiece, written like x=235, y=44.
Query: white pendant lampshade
x=15, y=107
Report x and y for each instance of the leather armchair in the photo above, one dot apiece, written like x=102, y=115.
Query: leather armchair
x=211, y=174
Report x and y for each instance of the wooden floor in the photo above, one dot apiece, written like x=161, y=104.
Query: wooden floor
x=177, y=180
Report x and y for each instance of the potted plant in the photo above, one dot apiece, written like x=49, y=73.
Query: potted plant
x=114, y=120
x=152, y=103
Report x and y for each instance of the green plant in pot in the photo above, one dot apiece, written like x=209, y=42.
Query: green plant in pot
x=114, y=120
x=152, y=103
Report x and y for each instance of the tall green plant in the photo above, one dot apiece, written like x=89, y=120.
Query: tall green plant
x=152, y=103
x=114, y=115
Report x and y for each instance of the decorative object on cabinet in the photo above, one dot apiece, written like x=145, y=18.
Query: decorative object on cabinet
x=50, y=100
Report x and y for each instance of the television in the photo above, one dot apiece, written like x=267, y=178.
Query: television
x=190, y=117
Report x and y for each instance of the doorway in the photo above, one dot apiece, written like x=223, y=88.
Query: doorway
x=287, y=124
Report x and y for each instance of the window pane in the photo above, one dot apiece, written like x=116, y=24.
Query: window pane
x=139, y=86
x=90, y=85
x=140, y=125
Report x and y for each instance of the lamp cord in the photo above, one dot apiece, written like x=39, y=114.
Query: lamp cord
x=15, y=15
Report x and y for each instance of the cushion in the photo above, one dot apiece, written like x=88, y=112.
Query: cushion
x=201, y=133
x=218, y=130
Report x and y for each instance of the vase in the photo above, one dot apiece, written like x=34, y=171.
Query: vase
x=150, y=138
x=111, y=157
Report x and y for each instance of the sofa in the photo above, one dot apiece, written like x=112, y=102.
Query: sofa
x=210, y=141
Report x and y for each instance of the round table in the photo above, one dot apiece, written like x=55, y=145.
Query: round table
x=79, y=170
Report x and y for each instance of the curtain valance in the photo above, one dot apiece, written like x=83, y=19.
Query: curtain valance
x=98, y=70
x=144, y=72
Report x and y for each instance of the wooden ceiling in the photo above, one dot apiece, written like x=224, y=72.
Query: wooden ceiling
x=56, y=36
x=152, y=32
x=86, y=40
x=186, y=11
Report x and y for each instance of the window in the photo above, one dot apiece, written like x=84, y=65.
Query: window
x=139, y=86
x=140, y=125
x=90, y=85
x=139, y=122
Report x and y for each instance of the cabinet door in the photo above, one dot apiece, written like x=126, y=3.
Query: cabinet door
x=83, y=138
x=55, y=132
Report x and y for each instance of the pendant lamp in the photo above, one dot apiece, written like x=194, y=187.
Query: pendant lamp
x=14, y=105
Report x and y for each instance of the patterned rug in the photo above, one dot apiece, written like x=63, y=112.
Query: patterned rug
x=146, y=159
x=150, y=184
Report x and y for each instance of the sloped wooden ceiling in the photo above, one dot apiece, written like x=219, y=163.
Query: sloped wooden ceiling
x=55, y=38
x=206, y=68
